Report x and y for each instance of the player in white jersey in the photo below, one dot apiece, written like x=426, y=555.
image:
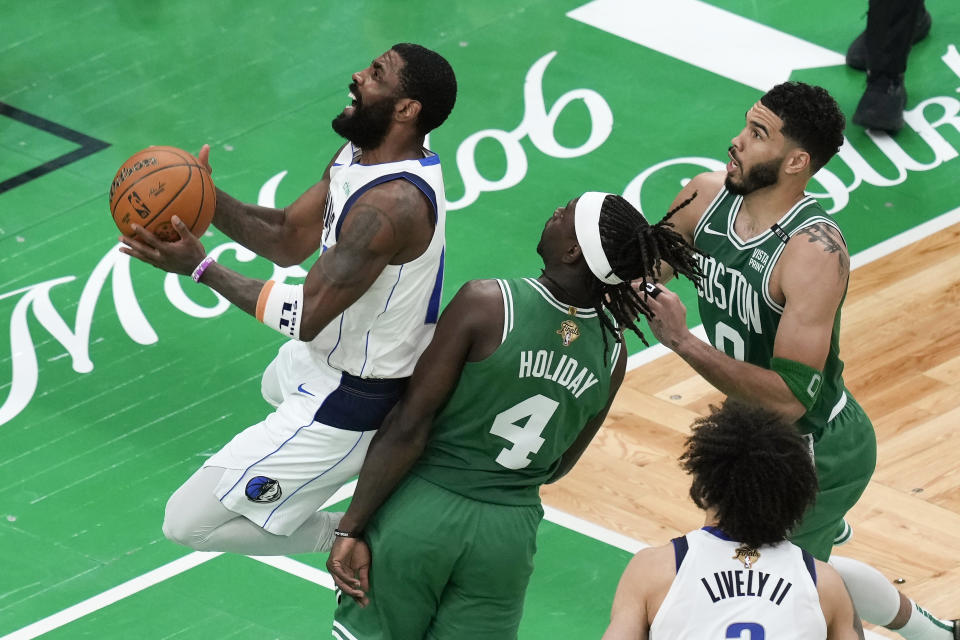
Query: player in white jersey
x=358, y=323
x=738, y=576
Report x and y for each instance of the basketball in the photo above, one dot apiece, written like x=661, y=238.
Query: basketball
x=158, y=183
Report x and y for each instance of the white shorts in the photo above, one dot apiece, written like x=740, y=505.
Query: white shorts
x=281, y=470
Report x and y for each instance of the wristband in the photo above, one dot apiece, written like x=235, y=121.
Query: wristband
x=206, y=262
x=803, y=381
x=347, y=534
x=280, y=306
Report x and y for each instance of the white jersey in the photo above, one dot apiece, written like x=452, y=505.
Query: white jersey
x=382, y=334
x=715, y=595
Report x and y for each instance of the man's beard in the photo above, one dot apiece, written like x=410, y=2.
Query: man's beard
x=367, y=127
x=758, y=177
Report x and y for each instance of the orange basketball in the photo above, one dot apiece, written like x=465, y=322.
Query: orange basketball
x=157, y=183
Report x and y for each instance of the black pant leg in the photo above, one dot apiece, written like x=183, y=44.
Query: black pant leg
x=890, y=25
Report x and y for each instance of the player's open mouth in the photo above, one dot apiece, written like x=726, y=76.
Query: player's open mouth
x=353, y=104
x=733, y=164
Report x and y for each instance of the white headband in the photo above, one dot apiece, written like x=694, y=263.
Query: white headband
x=587, y=223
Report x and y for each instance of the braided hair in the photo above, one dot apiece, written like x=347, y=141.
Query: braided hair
x=753, y=469
x=635, y=250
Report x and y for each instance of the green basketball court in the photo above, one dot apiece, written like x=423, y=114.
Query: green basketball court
x=116, y=380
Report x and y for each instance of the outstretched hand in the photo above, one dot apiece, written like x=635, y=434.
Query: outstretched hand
x=181, y=256
x=349, y=564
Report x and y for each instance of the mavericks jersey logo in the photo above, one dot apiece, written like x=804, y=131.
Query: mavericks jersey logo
x=568, y=332
x=263, y=489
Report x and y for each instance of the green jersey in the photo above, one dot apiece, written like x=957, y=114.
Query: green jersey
x=739, y=315
x=512, y=415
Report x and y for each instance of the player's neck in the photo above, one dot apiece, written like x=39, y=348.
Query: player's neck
x=566, y=289
x=710, y=518
x=763, y=207
x=393, y=150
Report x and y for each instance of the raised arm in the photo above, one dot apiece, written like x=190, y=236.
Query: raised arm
x=812, y=275
x=284, y=236
x=389, y=223
x=698, y=193
x=469, y=329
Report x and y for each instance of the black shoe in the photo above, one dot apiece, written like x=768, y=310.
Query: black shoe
x=881, y=106
x=857, y=53
x=956, y=630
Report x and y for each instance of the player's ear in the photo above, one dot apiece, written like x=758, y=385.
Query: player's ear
x=407, y=110
x=572, y=254
x=797, y=161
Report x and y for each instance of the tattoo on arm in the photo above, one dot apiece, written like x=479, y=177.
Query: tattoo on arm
x=344, y=266
x=253, y=226
x=241, y=222
x=831, y=240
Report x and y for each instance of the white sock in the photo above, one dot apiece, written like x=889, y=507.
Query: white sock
x=923, y=626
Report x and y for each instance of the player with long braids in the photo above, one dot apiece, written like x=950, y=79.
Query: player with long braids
x=516, y=382
x=653, y=243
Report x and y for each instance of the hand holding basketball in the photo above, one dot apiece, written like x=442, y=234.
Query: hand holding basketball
x=158, y=183
x=181, y=256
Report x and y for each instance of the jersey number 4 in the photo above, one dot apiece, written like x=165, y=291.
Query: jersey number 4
x=533, y=414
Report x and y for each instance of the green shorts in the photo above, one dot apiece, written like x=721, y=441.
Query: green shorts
x=845, y=453
x=443, y=566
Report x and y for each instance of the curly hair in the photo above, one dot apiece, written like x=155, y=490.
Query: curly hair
x=811, y=117
x=427, y=77
x=635, y=250
x=753, y=469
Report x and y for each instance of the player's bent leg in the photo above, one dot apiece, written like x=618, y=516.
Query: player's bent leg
x=283, y=469
x=845, y=456
x=280, y=487
x=195, y=518
x=878, y=602
x=193, y=511
x=275, y=475
x=239, y=535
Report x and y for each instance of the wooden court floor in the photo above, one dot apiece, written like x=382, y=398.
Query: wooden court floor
x=901, y=346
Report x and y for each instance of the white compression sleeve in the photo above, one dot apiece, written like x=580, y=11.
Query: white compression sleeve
x=877, y=601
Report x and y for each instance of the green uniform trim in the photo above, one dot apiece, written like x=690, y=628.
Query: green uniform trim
x=803, y=380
